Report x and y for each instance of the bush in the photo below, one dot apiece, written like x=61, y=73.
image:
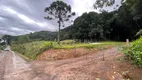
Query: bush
x=66, y=42
x=134, y=52
x=2, y=47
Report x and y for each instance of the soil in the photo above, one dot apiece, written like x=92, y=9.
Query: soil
x=61, y=54
x=100, y=65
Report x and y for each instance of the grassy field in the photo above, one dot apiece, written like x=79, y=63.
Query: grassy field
x=33, y=49
x=86, y=45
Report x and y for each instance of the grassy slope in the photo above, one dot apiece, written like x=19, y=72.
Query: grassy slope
x=30, y=50
x=2, y=47
x=33, y=49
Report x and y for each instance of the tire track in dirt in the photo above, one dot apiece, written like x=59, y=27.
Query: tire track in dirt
x=89, y=67
x=13, y=67
x=16, y=68
x=2, y=65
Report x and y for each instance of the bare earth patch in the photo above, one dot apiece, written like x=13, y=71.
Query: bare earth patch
x=89, y=67
x=60, y=54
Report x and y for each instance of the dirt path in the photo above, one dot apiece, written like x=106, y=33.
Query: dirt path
x=90, y=67
x=13, y=67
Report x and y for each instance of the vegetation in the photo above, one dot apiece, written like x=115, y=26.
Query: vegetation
x=101, y=45
x=37, y=36
x=68, y=42
x=134, y=52
x=118, y=25
x=60, y=11
x=33, y=49
x=2, y=47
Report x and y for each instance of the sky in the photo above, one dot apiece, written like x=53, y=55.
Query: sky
x=18, y=17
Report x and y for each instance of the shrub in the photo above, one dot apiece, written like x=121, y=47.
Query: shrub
x=134, y=52
x=67, y=42
x=2, y=47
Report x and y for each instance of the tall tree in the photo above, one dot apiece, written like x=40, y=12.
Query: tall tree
x=59, y=11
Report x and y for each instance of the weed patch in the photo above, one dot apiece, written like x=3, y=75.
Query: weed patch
x=134, y=52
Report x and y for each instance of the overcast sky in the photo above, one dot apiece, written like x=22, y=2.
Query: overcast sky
x=19, y=17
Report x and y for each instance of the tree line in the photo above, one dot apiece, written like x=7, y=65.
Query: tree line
x=117, y=25
x=36, y=36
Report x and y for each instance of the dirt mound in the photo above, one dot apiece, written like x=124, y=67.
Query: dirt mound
x=60, y=54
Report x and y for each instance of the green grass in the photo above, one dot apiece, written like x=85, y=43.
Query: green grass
x=86, y=45
x=2, y=47
x=67, y=42
x=33, y=49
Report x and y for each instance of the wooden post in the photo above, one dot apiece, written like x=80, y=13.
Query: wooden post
x=127, y=42
x=75, y=47
x=103, y=56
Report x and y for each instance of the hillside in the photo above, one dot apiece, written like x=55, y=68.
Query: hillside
x=36, y=36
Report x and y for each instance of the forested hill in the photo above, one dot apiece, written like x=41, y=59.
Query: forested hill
x=43, y=35
x=116, y=26
x=36, y=36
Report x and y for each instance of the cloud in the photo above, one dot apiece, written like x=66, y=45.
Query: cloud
x=81, y=6
x=19, y=17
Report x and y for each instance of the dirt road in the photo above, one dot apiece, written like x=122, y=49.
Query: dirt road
x=13, y=67
x=88, y=67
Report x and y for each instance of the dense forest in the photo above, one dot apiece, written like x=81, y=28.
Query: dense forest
x=117, y=25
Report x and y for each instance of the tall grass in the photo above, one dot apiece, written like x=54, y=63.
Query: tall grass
x=33, y=49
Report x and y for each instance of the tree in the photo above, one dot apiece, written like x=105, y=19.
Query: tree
x=133, y=5
x=7, y=39
x=96, y=33
x=23, y=39
x=59, y=11
x=89, y=26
